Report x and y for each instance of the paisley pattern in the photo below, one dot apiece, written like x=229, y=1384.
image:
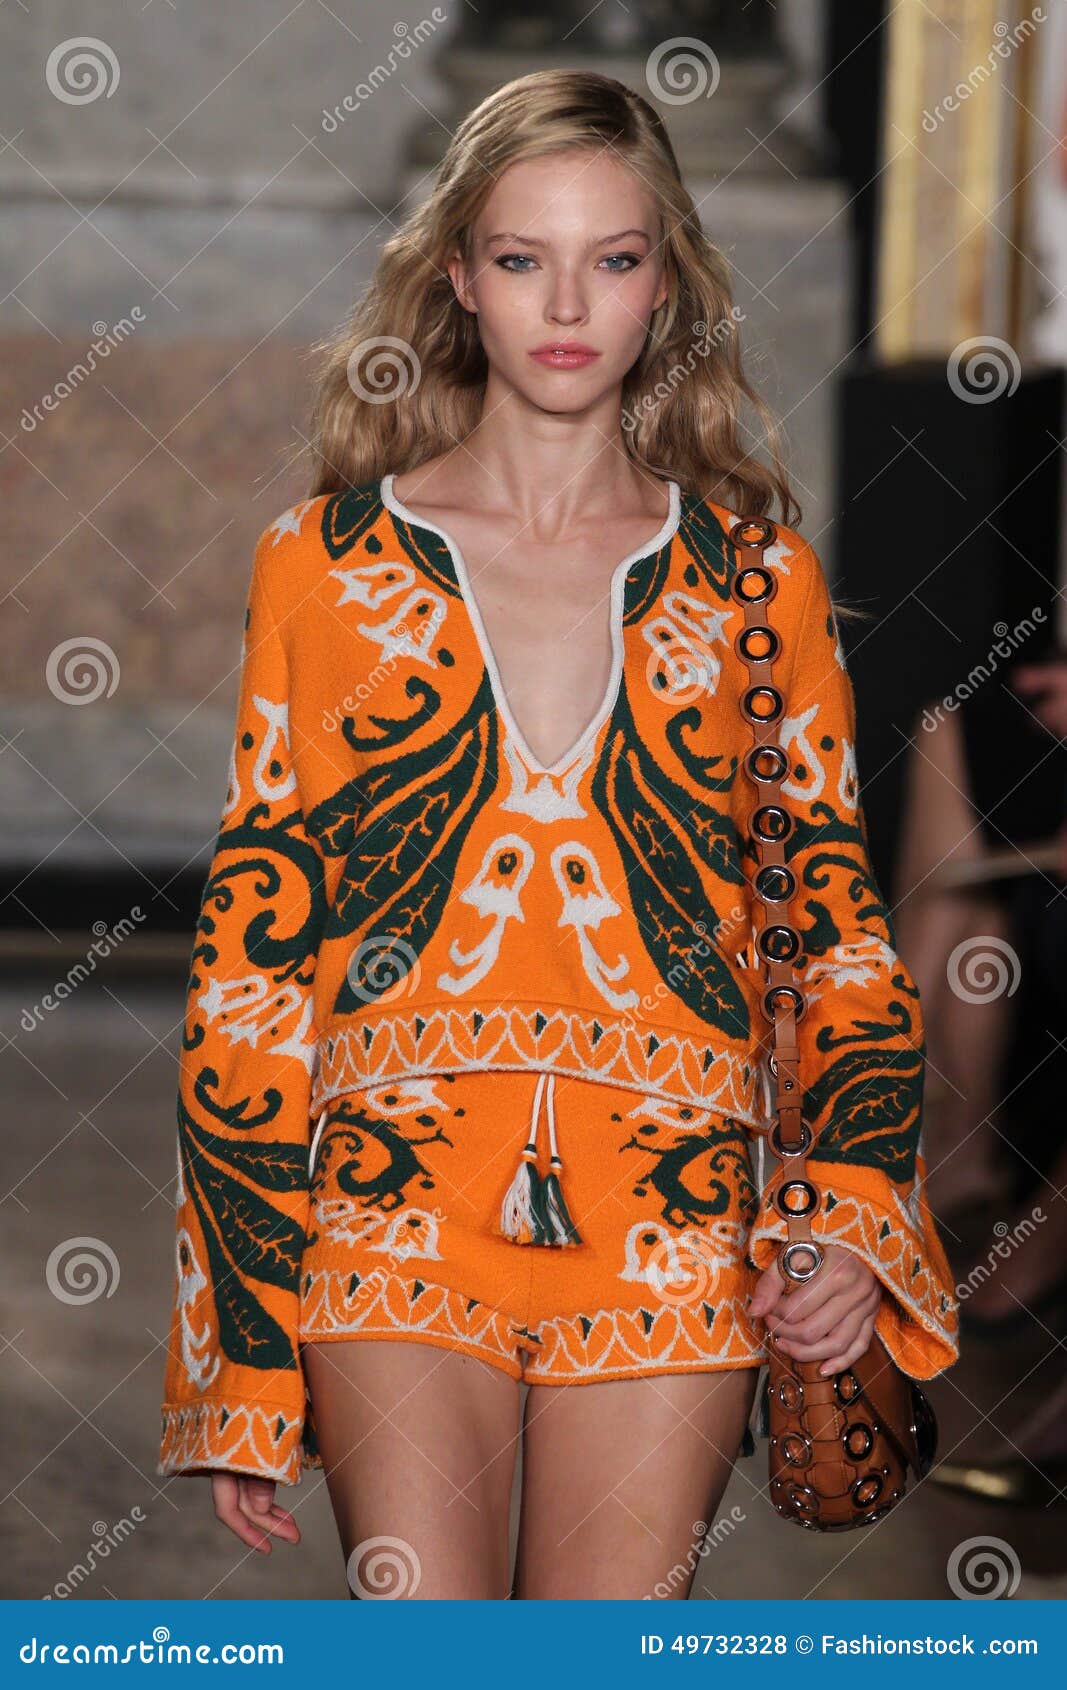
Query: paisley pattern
x=398, y=892
x=403, y=1240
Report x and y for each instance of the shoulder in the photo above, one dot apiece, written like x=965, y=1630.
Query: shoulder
x=794, y=560
x=305, y=541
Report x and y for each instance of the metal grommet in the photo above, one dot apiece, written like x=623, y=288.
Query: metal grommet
x=762, y=704
x=846, y=1386
x=765, y=531
x=797, y=1450
x=765, y=763
x=867, y=1490
x=774, y=1139
x=754, y=585
x=791, y=1394
x=775, y=883
x=803, y=1501
x=778, y=942
x=771, y=1001
x=878, y=1514
x=858, y=1429
x=801, y=1247
x=805, y=1187
x=770, y=824
x=763, y=636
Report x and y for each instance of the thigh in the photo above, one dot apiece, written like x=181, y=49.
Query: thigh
x=621, y=1479
x=418, y=1446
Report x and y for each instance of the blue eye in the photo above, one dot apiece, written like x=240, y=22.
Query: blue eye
x=511, y=261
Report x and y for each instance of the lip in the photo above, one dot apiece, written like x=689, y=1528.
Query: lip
x=564, y=354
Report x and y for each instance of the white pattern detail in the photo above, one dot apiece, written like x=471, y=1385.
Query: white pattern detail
x=391, y=1045
x=290, y=520
x=494, y=893
x=200, y=1362
x=276, y=716
x=573, y=865
x=370, y=584
x=547, y=798
x=412, y=1232
x=395, y=637
x=852, y=963
x=794, y=731
x=344, y=1221
x=652, y=1255
x=687, y=625
x=265, y=1005
x=848, y=776
x=415, y=1232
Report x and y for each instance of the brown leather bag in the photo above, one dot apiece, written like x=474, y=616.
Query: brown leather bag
x=840, y=1445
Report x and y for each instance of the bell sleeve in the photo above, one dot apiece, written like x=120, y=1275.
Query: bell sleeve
x=861, y=1038
x=234, y=1394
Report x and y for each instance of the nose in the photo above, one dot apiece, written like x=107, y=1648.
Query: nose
x=566, y=301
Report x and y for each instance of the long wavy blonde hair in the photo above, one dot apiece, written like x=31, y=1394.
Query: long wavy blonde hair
x=402, y=380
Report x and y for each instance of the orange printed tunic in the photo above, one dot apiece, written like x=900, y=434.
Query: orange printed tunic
x=399, y=888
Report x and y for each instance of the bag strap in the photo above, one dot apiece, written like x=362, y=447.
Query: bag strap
x=778, y=944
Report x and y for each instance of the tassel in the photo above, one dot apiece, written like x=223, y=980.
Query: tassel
x=562, y=1229
x=561, y=1226
x=522, y=1213
x=534, y=1210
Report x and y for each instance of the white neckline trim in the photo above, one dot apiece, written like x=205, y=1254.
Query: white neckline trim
x=616, y=595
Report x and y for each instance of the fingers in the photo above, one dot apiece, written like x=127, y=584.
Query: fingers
x=769, y=1289
x=844, y=1343
x=226, y=1494
x=836, y=1364
x=805, y=1300
x=258, y=1504
x=806, y=1326
x=246, y=1505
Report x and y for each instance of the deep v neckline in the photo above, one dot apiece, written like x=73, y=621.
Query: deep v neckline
x=616, y=597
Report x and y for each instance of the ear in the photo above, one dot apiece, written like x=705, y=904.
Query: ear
x=460, y=279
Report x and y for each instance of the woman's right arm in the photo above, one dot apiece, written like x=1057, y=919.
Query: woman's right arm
x=234, y=1398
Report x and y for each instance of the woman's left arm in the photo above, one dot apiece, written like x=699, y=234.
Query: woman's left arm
x=862, y=1048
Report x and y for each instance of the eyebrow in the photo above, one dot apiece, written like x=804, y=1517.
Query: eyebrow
x=598, y=240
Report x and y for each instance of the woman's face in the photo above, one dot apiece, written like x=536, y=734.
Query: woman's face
x=566, y=252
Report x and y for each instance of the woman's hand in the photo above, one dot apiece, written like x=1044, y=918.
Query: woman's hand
x=246, y=1504
x=829, y=1318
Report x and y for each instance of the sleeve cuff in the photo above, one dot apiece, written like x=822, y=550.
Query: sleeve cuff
x=863, y=1210
x=263, y=1439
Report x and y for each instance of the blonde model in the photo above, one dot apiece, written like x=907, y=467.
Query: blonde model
x=474, y=1068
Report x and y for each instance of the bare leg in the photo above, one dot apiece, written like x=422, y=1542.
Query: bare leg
x=418, y=1444
x=966, y=1042
x=616, y=1476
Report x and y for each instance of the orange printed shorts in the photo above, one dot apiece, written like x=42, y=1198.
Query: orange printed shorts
x=425, y=1211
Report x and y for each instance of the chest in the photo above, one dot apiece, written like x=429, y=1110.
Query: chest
x=548, y=619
